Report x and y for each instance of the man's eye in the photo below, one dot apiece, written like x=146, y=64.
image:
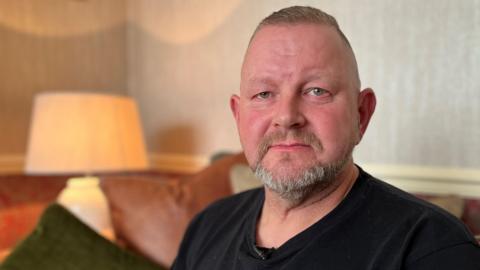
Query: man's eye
x=263, y=95
x=316, y=91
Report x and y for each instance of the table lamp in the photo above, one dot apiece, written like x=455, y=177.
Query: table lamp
x=85, y=134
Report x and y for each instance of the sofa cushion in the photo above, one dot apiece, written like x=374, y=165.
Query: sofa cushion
x=150, y=214
x=17, y=222
x=23, y=198
x=61, y=241
x=452, y=203
x=471, y=215
x=242, y=178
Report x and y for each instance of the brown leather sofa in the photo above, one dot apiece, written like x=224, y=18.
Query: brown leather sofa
x=150, y=215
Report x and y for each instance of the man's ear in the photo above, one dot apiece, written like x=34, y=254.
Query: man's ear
x=234, y=106
x=366, y=106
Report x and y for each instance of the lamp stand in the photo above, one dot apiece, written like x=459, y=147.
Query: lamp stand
x=83, y=197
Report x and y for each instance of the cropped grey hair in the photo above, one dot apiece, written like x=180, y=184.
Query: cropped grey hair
x=301, y=14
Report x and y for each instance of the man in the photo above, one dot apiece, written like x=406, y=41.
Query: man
x=299, y=114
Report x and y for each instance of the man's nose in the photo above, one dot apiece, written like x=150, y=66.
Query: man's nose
x=288, y=113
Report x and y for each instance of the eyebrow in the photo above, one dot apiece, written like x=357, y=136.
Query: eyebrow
x=270, y=80
x=260, y=80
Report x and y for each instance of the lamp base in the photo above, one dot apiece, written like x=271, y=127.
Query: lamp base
x=83, y=197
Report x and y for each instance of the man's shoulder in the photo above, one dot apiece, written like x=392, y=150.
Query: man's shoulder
x=390, y=197
x=423, y=225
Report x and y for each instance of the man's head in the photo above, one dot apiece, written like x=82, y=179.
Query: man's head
x=301, y=15
x=300, y=111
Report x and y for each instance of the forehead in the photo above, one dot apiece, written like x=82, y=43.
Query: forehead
x=290, y=49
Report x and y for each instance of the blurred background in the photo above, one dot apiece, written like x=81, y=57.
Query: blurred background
x=180, y=60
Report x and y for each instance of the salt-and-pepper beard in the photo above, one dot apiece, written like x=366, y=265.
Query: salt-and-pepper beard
x=298, y=188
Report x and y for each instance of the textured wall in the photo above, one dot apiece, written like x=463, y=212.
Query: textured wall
x=53, y=45
x=421, y=57
x=182, y=60
x=183, y=66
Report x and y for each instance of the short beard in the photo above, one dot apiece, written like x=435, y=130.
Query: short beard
x=296, y=189
x=314, y=179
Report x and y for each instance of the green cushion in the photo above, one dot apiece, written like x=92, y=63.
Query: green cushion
x=61, y=241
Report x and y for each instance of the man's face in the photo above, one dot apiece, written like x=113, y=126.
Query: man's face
x=299, y=104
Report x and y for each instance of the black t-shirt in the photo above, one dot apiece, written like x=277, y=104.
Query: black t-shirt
x=376, y=226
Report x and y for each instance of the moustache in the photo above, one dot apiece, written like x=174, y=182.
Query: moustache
x=303, y=137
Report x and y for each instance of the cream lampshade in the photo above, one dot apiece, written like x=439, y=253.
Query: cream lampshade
x=85, y=133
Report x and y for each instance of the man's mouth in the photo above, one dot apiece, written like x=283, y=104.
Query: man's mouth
x=289, y=146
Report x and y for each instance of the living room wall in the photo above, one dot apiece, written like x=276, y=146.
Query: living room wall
x=54, y=45
x=181, y=61
x=421, y=57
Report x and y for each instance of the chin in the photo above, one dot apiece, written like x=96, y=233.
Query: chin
x=288, y=171
x=294, y=185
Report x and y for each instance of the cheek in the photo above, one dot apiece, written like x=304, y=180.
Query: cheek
x=336, y=130
x=252, y=127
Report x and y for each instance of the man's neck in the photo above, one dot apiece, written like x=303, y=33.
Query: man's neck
x=280, y=220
